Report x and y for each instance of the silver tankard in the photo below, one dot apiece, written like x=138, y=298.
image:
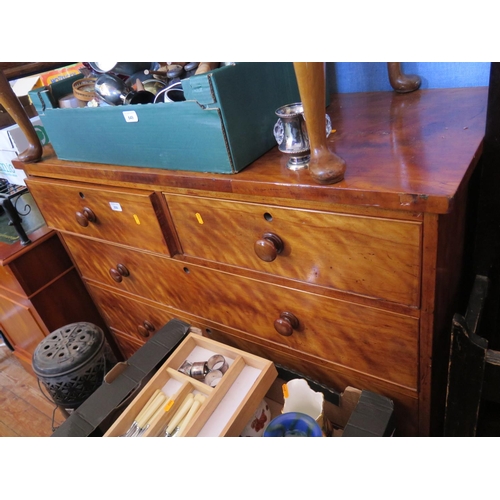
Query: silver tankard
x=290, y=133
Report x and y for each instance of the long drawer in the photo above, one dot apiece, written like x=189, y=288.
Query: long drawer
x=367, y=339
x=119, y=215
x=376, y=257
x=131, y=317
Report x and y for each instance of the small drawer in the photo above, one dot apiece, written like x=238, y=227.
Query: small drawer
x=375, y=257
x=123, y=216
x=223, y=410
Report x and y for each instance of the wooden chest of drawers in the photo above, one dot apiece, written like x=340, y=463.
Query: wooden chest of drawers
x=353, y=283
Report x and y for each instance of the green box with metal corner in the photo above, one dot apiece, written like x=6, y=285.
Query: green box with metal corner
x=225, y=123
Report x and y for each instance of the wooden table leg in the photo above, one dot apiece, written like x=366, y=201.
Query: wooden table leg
x=13, y=106
x=325, y=166
x=399, y=81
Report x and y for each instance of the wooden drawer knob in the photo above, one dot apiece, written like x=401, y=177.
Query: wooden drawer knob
x=286, y=324
x=119, y=273
x=85, y=216
x=146, y=329
x=268, y=248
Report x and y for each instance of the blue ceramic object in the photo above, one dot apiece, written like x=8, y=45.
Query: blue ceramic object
x=293, y=424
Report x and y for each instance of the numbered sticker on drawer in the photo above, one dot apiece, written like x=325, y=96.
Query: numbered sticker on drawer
x=115, y=206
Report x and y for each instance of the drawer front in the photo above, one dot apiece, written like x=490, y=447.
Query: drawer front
x=120, y=216
x=134, y=318
x=367, y=339
x=371, y=341
x=370, y=256
x=127, y=270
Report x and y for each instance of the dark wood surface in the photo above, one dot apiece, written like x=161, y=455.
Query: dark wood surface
x=405, y=152
x=409, y=160
x=15, y=70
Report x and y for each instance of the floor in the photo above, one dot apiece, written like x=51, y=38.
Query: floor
x=24, y=410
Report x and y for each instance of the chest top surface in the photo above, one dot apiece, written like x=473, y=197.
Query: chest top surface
x=407, y=152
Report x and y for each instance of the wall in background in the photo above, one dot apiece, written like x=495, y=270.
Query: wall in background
x=372, y=77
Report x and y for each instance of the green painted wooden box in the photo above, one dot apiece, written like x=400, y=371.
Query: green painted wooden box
x=225, y=123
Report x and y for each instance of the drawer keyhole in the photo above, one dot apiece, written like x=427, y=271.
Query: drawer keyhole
x=268, y=247
x=85, y=216
x=286, y=324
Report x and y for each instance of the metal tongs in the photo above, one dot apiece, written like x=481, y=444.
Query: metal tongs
x=149, y=412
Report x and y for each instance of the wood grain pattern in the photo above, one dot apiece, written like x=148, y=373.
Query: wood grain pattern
x=396, y=221
x=24, y=411
x=365, y=255
x=367, y=339
x=406, y=152
x=9, y=282
x=127, y=315
x=135, y=220
x=36, y=269
x=19, y=325
x=325, y=166
x=40, y=291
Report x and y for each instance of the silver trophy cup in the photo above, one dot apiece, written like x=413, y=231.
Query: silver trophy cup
x=290, y=133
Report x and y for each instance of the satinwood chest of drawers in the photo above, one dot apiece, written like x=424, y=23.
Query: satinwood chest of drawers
x=353, y=283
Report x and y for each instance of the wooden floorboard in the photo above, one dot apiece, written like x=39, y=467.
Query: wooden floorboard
x=24, y=410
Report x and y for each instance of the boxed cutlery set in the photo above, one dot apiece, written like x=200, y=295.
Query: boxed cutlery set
x=181, y=384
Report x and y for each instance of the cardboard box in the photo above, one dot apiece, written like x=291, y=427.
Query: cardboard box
x=225, y=409
x=12, y=142
x=111, y=409
x=225, y=123
x=352, y=413
x=230, y=406
x=122, y=383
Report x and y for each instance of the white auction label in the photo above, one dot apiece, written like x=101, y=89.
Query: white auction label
x=130, y=116
x=115, y=206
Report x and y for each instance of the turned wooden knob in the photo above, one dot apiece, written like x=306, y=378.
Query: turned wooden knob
x=268, y=248
x=146, y=329
x=286, y=324
x=119, y=273
x=85, y=216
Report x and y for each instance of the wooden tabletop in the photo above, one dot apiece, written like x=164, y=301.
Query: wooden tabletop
x=403, y=151
x=16, y=249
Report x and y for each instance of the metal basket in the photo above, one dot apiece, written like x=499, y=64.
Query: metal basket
x=71, y=363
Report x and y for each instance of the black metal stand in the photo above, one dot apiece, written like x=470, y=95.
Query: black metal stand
x=11, y=212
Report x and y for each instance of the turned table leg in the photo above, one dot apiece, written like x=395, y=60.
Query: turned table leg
x=14, y=108
x=401, y=82
x=325, y=166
